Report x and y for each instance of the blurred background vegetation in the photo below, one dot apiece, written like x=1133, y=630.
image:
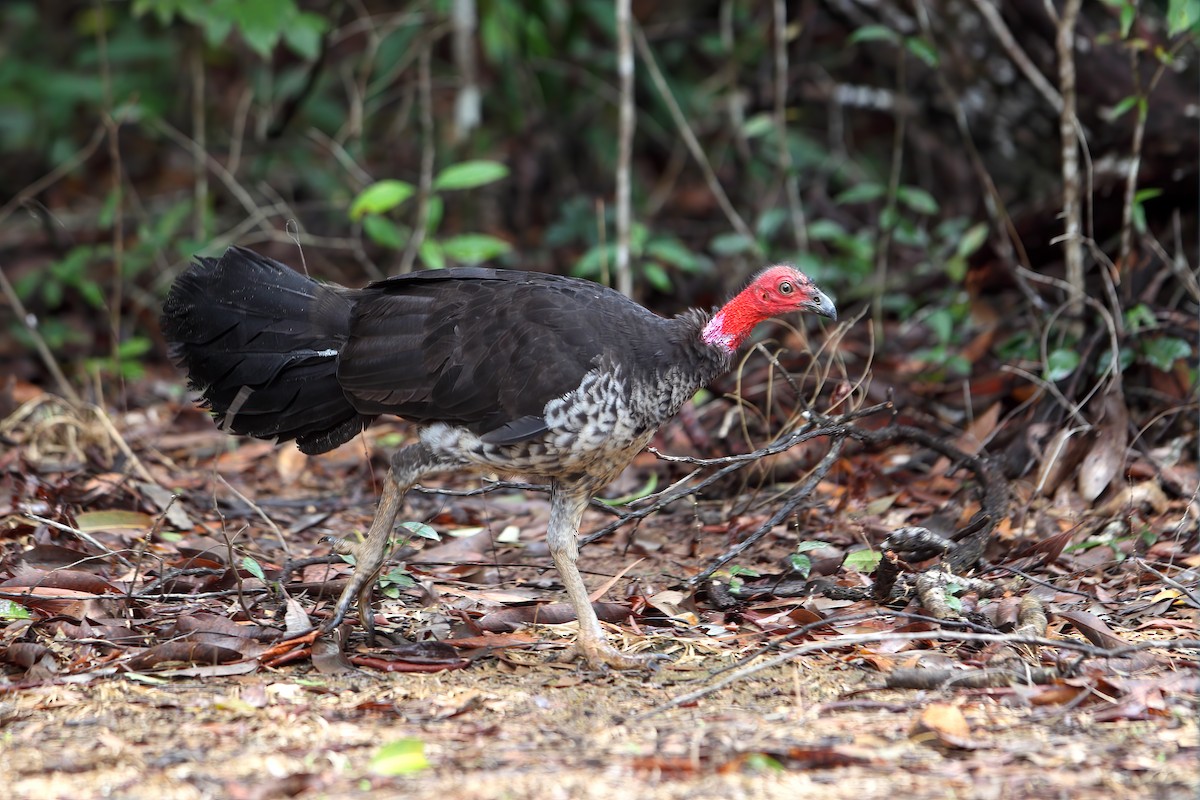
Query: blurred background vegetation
x=913, y=156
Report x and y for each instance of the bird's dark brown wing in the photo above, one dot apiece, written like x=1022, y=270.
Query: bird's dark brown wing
x=485, y=349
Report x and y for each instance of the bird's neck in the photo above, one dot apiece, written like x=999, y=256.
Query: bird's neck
x=731, y=325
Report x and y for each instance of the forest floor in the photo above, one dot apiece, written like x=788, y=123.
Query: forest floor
x=142, y=649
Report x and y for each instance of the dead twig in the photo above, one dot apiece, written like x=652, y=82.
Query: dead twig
x=83, y=535
x=31, y=325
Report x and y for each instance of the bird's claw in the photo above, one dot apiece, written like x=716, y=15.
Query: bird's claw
x=343, y=547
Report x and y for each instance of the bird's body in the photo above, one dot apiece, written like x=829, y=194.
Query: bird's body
x=510, y=372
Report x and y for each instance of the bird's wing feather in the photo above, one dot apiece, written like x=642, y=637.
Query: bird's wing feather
x=482, y=348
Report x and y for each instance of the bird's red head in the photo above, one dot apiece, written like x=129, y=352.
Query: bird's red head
x=777, y=290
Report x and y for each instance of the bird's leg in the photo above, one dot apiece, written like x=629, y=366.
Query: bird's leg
x=408, y=465
x=566, y=513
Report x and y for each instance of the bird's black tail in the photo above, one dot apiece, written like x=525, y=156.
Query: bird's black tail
x=260, y=342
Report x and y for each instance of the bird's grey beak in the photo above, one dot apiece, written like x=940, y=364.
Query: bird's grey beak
x=821, y=304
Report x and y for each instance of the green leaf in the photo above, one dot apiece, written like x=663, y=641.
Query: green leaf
x=10, y=610
x=862, y=193
x=384, y=231
x=646, y=490
x=800, y=564
x=1182, y=15
x=956, y=268
x=824, y=230
x=422, y=530
x=941, y=322
x=1119, y=110
x=873, y=33
x=639, y=234
x=398, y=578
x=92, y=293
x=749, y=572
x=591, y=263
x=1060, y=364
x=472, y=248
x=972, y=240
x=254, y=568
x=432, y=255
x=262, y=22
x=381, y=197
x=917, y=199
x=731, y=244
x=434, y=213
x=1163, y=352
x=303, y=36
x=134, y=346
x=401, y=757
x=864, y=561
x=811, y=544
x=469, y=174
x=770, y=222
x=758, y=125
x=677, y=254
x=1128, y=12
x=1140, y=318
x=656, y=276
x=761, y=762
x=922, y=50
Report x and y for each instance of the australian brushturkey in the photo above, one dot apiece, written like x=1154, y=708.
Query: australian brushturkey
x=509, y=372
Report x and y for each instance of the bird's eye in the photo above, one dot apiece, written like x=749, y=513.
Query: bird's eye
x=786, y=287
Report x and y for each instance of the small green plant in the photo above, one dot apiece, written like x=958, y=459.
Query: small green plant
x=375, y=205
x=943, y=357
x=125, y=363
x=864, y=561
x=736, y=581
x=800, y=561
x=397, y=580
x=655, y=257
x=1112, y=538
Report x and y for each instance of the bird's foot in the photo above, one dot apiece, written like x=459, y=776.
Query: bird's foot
x=358, y=590
x=603, y=656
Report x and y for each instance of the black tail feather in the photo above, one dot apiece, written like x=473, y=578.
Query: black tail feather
x=260, y=342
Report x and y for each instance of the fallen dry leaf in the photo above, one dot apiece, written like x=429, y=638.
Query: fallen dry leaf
x=944, y=723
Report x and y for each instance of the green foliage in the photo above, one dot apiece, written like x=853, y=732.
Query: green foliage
x=262, y=24
x=864, y=561
x=1060, y=364
x=1115, y=537
x=72, y=274
x=654, y=257
x=128, y=362
x=11, y=610
x=394, y=581
x=254, y=568
x=421, y=530
x=1183, y=16
x=381, y=197
x=800, y=561
x=374, y=203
